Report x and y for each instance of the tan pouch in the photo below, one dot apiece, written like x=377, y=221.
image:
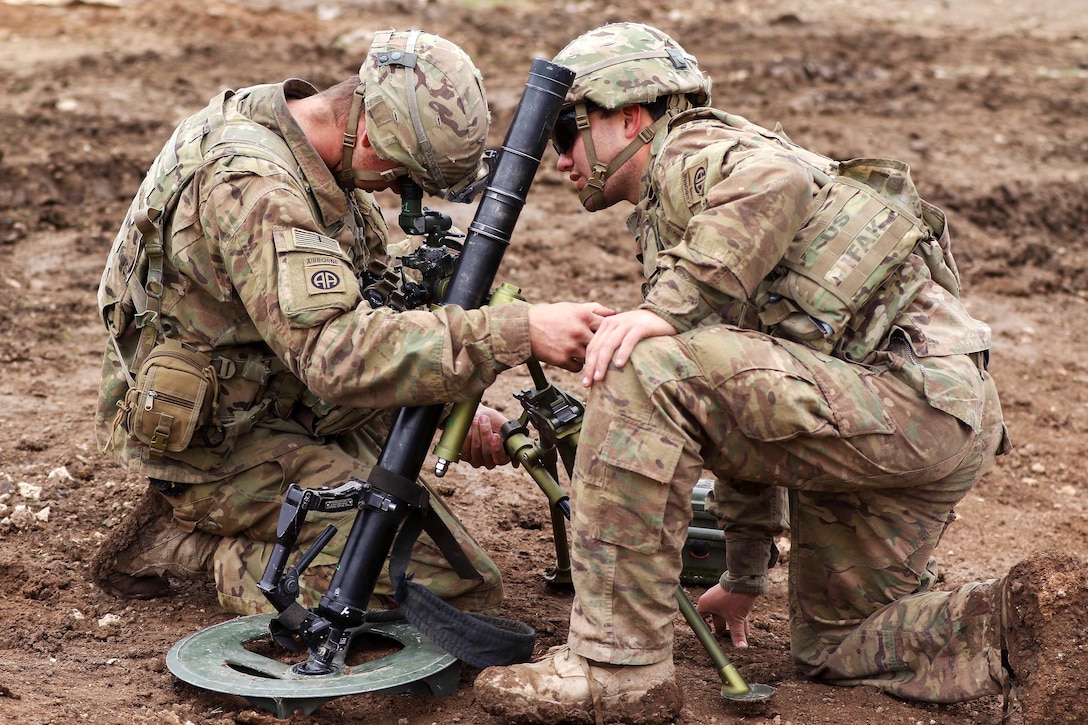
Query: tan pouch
x=176, y=392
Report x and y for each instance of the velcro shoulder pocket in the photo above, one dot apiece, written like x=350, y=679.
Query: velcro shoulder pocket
x=688, y=181
x=316, y=280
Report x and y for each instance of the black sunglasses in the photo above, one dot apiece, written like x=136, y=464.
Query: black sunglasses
x=565, y=132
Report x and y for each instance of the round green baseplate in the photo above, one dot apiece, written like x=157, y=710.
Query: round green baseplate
x=217, y=659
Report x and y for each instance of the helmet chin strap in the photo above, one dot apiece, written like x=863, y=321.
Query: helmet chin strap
x=594, y=188
x=347, y=175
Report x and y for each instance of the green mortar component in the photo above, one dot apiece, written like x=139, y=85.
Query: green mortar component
x=704, y=551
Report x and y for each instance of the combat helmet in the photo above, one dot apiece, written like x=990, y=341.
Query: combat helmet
x=618, y=65
x=425, y=110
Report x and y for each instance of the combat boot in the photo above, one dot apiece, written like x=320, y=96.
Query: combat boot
x=1045, y=633
x=135, y=558
x=564, y=687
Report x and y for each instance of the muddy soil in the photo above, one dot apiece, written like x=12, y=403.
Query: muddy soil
x=985, y=99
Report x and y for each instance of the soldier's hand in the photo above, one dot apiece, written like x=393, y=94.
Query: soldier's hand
x=559, y=332
x=483, y=446
x=724, y=610
x=616, y=338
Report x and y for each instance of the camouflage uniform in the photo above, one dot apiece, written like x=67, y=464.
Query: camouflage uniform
x=874, y=456
x=304, y=366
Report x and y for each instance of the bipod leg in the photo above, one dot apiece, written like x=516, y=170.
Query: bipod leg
x=520, y=447
x=559, y=575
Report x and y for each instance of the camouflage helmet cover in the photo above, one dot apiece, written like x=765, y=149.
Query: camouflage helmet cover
x=623, y=64
x=425, y=108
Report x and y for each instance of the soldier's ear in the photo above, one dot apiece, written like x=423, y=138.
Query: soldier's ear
x=633, y=120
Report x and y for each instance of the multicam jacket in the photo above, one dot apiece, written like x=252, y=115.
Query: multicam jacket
x=707, y=248
x=262, y=255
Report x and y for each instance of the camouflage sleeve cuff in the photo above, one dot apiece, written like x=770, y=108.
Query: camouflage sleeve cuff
x=509, y=325
x=744, y=584
x=676, y=299
x=747, y=561
x=679, y=323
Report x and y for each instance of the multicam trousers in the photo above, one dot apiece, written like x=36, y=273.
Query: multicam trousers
x=244, y=510
x=873, y=472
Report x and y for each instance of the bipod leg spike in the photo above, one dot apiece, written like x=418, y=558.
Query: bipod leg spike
x=733, y=685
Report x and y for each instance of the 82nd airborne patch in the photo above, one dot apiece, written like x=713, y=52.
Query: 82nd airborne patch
x=324, y=275
x=322, y=261
x=695, y=183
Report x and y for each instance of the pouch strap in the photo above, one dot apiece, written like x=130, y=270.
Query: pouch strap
x=241, y=422
x=277, y=390
x=150, y=321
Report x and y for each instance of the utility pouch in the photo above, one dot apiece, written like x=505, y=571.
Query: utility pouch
x=176, y=392
x=848, y=271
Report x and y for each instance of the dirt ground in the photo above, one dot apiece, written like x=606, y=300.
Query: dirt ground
x=985, y=99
